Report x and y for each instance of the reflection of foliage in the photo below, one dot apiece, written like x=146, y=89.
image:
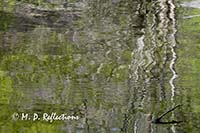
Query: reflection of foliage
x=190, y=42
x=34, y=69
x=30, y=68
x=188, y=65
x=7, y=5
x=68, y=71
x=5, y=21
x=5, y=88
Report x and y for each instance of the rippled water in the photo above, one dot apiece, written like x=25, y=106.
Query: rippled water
x=116, y=64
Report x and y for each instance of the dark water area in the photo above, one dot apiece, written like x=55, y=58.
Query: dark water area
x=115, y=65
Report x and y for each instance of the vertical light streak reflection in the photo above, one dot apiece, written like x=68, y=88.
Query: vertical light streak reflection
x=174, y=56
x=162, y=36
x=135, y=126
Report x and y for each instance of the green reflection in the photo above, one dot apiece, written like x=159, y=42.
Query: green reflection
x=109, y=62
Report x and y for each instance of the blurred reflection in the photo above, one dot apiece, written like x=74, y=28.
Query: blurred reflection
x=111, y=62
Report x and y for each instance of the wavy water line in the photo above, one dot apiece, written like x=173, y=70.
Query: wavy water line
x=137, y=56
x=138, y=62
x=163, y=21
x=174, y=56
x=150, y=53
x=135, y=126
x=141, y=45
x=153, y=41
x=160, y=51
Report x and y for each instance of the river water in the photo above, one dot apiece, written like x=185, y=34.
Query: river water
x=116, y=64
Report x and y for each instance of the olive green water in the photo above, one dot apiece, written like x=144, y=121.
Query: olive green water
x=112, y=63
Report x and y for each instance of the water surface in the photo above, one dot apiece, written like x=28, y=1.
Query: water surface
x=113, y=63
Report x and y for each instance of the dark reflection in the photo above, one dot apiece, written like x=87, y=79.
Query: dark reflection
x=27, y=17
x=110, y=62
x=159, y=119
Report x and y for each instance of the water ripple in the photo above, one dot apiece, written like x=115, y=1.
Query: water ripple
x=174, y=56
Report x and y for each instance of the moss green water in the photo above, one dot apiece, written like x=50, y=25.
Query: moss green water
x=111, y=63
